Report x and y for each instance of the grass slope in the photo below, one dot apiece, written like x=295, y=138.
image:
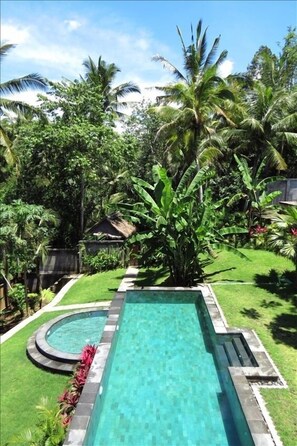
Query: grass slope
x=94, y=288
x=23, y=384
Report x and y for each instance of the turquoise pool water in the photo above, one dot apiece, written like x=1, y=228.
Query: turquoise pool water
x=162, y=386
x=73, y=332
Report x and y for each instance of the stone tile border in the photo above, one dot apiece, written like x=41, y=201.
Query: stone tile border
x=257, y=417
x=104, y=304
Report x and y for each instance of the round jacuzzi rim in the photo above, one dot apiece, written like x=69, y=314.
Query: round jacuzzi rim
x=41, y=336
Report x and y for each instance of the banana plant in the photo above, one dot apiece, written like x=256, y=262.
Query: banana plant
x=176, y=228
x=257, y=200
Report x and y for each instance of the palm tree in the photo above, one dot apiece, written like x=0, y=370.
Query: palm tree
x=31, y=81
x=267, y=126
x=190, y=105
x=103, y=75
x=282, y=237
x=10, y=87
x=277, y=71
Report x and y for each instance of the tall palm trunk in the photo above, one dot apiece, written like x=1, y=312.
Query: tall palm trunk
x=26, y=289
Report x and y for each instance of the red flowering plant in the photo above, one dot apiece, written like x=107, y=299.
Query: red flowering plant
x=258, y=235
x=69, y=398
x=255, y=230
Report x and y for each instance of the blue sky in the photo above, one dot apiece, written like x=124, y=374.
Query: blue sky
x=54, y=37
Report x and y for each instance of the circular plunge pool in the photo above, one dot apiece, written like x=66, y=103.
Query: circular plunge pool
x=65, y=336
x=73, y=332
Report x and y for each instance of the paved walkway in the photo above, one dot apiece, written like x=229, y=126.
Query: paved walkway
x=127, y=282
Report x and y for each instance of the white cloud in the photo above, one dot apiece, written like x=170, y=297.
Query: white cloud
x=226, y=68
x=29, y=97
x=14, y=34
x=60, y=54
x=72, y=25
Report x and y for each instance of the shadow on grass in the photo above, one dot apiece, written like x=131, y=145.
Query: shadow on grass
x=282, y=285
x=207, y=276
x=152, y=277
x=284, y=329
x=270, y=304
x=251, y=313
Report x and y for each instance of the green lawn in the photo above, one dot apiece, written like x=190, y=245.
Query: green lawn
x=272, y=314
x=94, y=288
x=230, y=267
x=269, y=306
x=23, y=384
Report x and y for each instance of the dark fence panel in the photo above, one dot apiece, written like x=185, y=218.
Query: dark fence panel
x=93, y=246
x=288, y=189
x=60, y=261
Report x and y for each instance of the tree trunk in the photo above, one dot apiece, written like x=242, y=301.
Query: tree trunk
x=26, y=290
x=38, y=275
x=82, y=208
x=5, y=275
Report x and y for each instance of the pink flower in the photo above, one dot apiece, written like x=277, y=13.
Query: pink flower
x=255, y=230
x=294, y=232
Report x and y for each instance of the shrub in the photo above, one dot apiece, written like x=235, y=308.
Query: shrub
x=33, y=299
x=49, y=430
x=47, y=295
x=17, y=297
x=102, y=261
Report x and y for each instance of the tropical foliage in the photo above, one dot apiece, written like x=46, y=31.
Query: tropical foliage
x=78, y=165
x=25, y=232
x=282, y=237
x=256, y=199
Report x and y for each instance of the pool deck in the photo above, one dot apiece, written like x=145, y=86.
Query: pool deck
x=246, y=380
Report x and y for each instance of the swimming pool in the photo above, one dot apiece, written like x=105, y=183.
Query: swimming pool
x=162, y=384
x=71, y=333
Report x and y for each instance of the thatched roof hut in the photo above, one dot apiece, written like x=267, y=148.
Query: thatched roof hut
x=113, y=227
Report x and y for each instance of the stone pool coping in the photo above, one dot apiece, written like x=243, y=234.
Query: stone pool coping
x=258, y=420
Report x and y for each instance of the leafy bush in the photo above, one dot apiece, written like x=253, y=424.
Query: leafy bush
x=17, y=297
x=102, y=261
x=47, y=295
x=49, y=430
x=33, y=299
